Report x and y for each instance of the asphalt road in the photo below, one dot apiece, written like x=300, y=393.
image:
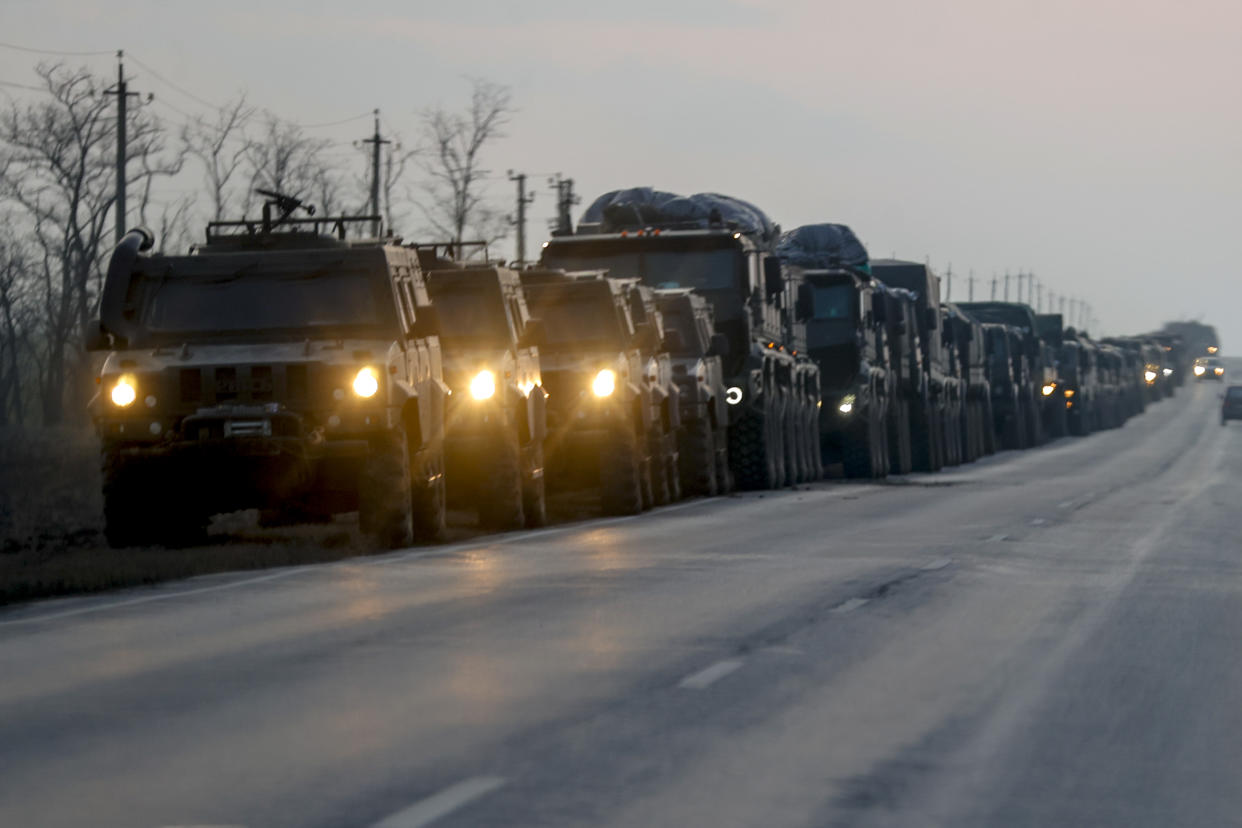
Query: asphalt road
x=1042, y=638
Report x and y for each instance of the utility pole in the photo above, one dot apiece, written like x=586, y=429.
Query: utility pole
x=519, y=221
x=563, y=224
x=121, y=90
x=948, y=290
x=1039, y=297
x=993, y=287
x=1062, y=298
x=376, y=142
x=1006, y=285
x=970, y=287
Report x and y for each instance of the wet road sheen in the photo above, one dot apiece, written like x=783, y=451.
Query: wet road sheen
x=1041, y=638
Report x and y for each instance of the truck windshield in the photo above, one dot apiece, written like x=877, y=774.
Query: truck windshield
x=206, y=306
x=573, y=322
x=833, y=302
x=471, y=316
x=699, y=269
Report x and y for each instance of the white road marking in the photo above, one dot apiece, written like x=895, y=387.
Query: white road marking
x=939, y=563
x=709, y=676
x=1038, y=522
x=995, y=538
x=784, y=650
x=850, y=605
x=427, y=811
x=1065, y=504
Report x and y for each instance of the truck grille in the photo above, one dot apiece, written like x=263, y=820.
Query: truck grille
x=251, y=384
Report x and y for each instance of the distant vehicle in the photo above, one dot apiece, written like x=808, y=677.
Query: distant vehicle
x=1231, y=408
x=1209, y=368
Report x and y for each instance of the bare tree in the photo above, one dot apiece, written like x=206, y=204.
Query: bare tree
x=282, y=157
x=221, y=146
x=57, y=172
x=15, y=323
x=451, y=155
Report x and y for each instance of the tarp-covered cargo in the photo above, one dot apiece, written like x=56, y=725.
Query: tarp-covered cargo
x=640, y=207
x=823, y=246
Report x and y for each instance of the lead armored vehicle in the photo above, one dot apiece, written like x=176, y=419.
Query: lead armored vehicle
x=278, y=367
x=496, y=420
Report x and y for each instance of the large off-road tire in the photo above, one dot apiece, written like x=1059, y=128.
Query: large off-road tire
x=724, y=477
x=427, y=495
x=952, y=432
x=859, y=448
x=789, y=441
x=620, y=470
x=922, y=448
x=697, y=458
x=384, y=505
x=774, y=416
x=500, y=485
x=660, y=494
x=534, y=487
x=751, y=453
x=126, y=507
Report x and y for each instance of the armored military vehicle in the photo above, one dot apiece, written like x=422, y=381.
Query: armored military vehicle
x=600, y=406
x=908, y=379
x=927, y=423
x=1054, y=415
x=1007, y=377
x=722, y=248
x=1079, y=391
x=696, y=350
x=277, y=366
x=966, y=334
x=1039, y=368
x=496, y=420
x=663, y=391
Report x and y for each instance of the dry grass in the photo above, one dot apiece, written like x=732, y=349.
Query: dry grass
x=51, y=528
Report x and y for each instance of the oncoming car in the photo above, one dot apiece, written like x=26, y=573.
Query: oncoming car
x=1231, y=408
x=1209, y=368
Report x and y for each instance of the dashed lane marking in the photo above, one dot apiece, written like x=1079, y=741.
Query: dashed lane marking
x=996, y=538
x=427, y=811
x=707, y=677
x=1038, y=522
x=939, y=563
x=850, y=605
x=1065, y=504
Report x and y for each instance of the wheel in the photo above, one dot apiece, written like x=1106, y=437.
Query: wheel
x=697, y=458
x=922, y=444
x=899, y=437
x=385, y=509
x=658, y=465
x=774, y=416
x=859, y=448
x=427, y=495
x=621, y=489
x=534, y=488
x=126, y=521
x=789, y=441
x=500, y=486
x=751, y=455
x=724, y=477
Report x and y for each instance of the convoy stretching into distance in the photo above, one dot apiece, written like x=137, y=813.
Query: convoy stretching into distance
x=668, y=346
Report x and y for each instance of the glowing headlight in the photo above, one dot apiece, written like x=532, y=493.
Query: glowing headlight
x=1069, y=392
x=1149, y=375
x=483, y=385
x=847, y=404
x=605, y=383
x=1200, y=370
x=124, y=393
x=1048, y=389
x=733, y=395
x=1211, y=349
x=1168, y=372
x=1219, y=371
x=366, y=382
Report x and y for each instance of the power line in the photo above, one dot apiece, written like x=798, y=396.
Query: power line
x=22, y=86
x=174, y=86
x=17, y=48
x=334, y=123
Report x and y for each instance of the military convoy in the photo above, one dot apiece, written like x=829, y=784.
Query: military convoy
x=667, y=346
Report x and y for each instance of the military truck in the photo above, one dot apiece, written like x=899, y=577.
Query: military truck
x=908, y=379
x=966, y=334
x=841, y=329
x=496, y=419
x=1007, y=377
x=927, y=422
x=1051, y=329
x=1039, y=364
x=1079, y=391
x=665, y=395
x=278, y=367
x=599, y=406
x=696, y=351
x=722, y=248
x=956, y=382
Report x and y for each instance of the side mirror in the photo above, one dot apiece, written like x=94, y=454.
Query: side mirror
x=719, y=346
x=880, y=308
x=947, y=333
x=427, y=323
x=533, y=335
x=805, y=307
x=773, y=278
x=933, y=319
x=673, y=342
x=969, y=333
x=97, y=340
x=645, y=337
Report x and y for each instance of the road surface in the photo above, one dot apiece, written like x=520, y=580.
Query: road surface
x=1041, y=638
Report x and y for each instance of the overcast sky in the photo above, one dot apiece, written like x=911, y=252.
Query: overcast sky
x=1095, y=143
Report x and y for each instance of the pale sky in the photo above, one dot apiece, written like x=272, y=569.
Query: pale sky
x=1095, y=143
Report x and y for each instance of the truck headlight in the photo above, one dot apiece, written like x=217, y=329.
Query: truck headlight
x=1219, y=371
x=483, y=385
x=1168, y=372
x=847, y=404
x=1149, y=375
x=605, y=383
x=124, y=392
x=1199, y=370
x=1048, y=389
x=366, y=382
